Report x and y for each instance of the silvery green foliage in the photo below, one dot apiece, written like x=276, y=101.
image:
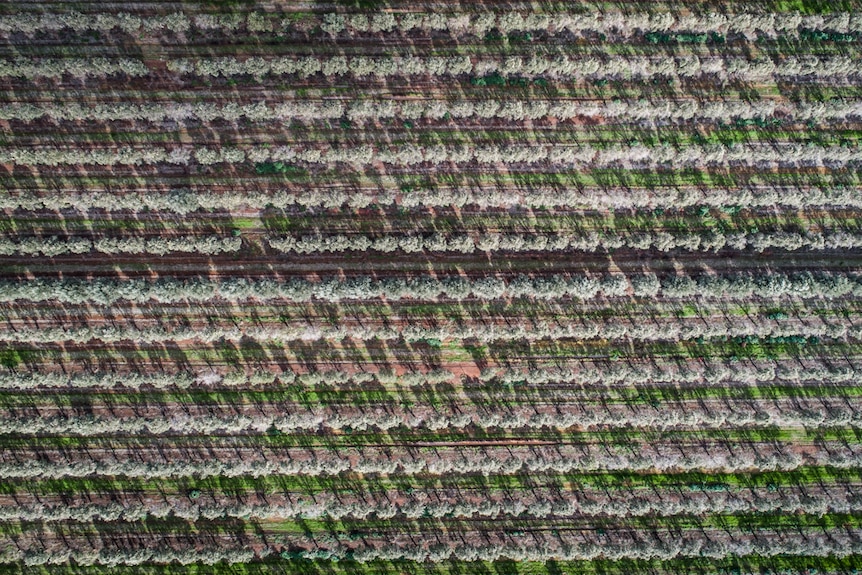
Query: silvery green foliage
x=77, y=67
x=579, y=156
x=609, y=22
x=707, y=372
x=186, y=201
x=694, y=544
x=564, y=66
x=72, y=156
x=821, y=414
x=654, y=111
x=53, y=246
x=437, y=503
x=613, y=286
x=662, y=457
x=804, y=285
x=206, y=380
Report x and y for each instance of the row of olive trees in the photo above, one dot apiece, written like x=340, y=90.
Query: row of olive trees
x=662, y=457
x=570, y=67
x=696, y=545
x=660, y=110
x=705, y=372
x=591, y=198
x=737, y=286
x=53, y=246
x=610, y=22
x=105, y=557
x=786, y=414
x=30, y=23
x=77, y=67
x=173, y=111
x=100, y=157
x=590, y=241
x=416, y=505
x=575, y=156
x=415, y=243
x=230, y=380
x=673, y=329
x=186, y=201
x=563, y=66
